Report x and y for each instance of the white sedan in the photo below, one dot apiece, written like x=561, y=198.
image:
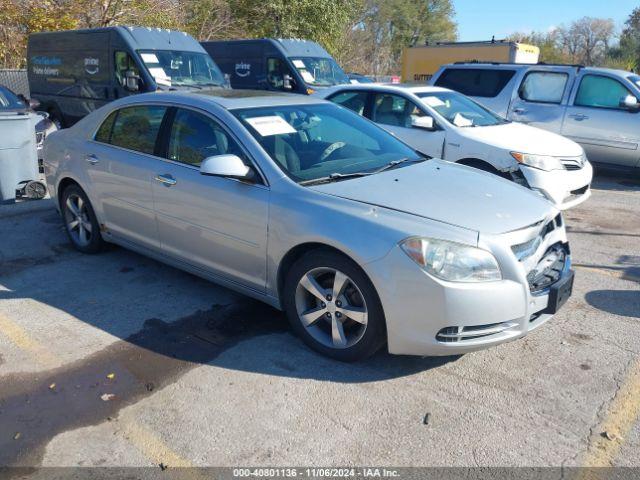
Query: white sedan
x=446, y=124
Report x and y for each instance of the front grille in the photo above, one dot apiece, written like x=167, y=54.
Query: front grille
x=549, y=269
x=472, y=332
x=572, y=163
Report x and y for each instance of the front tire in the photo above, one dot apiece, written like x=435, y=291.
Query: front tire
x=80, y=221
x=333, y=306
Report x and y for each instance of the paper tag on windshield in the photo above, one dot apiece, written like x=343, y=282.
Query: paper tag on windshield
x=433, y=101
x=273, y=125
x=149, y=58
x=307, y=77
x=160, y=76
x=298, y=64
x=462, y=121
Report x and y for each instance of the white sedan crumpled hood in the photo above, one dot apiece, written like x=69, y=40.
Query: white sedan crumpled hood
x=517, y=137
x=449, y=193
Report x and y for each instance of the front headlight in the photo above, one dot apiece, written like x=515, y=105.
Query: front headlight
x=542, y=162
x=452, y=261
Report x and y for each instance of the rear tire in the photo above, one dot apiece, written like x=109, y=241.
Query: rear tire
x=80, y=221
x=333, y=306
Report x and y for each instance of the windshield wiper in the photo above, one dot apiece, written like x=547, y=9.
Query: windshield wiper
x=395, y=163
x=334, y=177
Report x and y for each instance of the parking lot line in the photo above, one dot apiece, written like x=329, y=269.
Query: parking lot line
x=16, y=334
x=621, y=416
x=145, y=441
x=151, y=446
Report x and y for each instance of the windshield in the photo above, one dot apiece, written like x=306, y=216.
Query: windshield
x=309, y=142
x=459, y=110
x=321, y=72
x=171, y=68
x=10, y=101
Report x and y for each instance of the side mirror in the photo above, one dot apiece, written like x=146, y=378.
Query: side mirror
x=425, y=122
x=131, y=81
x=230, y=166
x=287, y=82
x=630, y=102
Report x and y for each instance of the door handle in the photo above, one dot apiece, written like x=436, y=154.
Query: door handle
x=91, y=158
x=519, y=111
x=166, y=179
x=579, y=117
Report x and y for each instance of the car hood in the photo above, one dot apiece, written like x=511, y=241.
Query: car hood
x=517, y=137
x=449, y=193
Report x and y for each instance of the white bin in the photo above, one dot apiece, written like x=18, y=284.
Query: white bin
x=18, y=157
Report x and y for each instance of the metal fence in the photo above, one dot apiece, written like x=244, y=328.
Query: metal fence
x=16, y=80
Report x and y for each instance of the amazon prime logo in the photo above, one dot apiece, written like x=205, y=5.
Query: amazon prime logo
x=92, y=65
x=243, y=69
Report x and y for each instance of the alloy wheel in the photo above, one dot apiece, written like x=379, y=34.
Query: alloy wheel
x=77, y=220
x=331, y=307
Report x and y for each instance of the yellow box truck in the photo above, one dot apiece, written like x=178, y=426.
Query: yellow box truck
x=421, y=62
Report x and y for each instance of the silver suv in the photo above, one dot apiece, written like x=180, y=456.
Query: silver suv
x=596, y=107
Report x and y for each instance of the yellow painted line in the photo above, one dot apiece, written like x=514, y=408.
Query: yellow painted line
x=621, y=416
x=19, y=337
x=149, y=444
x=610, y=272
x=152, y=446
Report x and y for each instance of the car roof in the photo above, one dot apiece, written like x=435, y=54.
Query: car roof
x=388, y=87
x=230, y=99
x=519, y=66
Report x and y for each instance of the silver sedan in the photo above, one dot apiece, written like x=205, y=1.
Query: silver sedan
x=317, y=211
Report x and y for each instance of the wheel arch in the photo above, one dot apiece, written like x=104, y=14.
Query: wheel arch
x=477, y=163
x=483, y=165
x=62, y=185
x=297, y=252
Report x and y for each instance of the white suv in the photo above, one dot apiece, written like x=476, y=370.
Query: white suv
x=446, y=124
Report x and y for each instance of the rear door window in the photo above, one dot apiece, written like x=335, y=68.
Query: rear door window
x=104, y=132
x=356, y=101
x=136, y=128
x=600, y=92
x=543, y=87
x=475, y=82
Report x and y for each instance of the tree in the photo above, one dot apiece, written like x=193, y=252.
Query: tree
x=323, y=21
x=385, y=27
x=627, y=54
x=586, y=41
x=21, y=18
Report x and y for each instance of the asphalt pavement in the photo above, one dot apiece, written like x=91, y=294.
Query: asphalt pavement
x=118, y=360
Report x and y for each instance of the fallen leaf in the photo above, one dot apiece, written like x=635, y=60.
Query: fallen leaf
x=52, y=386
x=107, y=396
x=162, y=466
x=426, y=419
x=609, y=435
x=111, y=376
x=16, y=436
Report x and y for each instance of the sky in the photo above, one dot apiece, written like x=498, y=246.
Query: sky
x=481, y=19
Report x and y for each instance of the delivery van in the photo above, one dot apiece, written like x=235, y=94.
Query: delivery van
x=290, y=65
x=71, y=73
x=421, y=62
